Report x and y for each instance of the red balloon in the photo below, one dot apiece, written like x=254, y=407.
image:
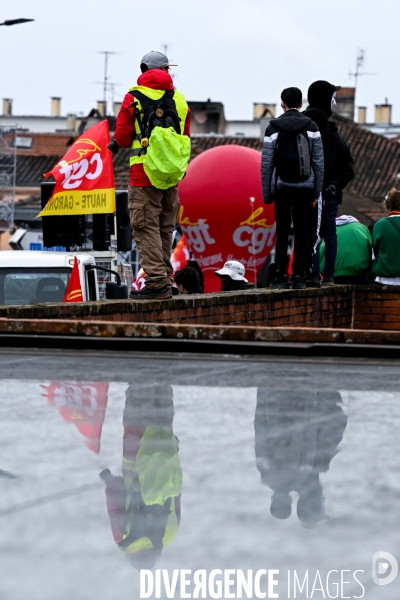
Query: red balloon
x=223, y=215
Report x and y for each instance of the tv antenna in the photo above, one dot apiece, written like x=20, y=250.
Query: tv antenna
x=110, y=89
x=107, y=54
x=358, y=73
x=165, y=50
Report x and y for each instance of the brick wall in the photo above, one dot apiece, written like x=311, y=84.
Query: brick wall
x=312, y=311
x=342, y=307
x=274, y=308
x=377, y=309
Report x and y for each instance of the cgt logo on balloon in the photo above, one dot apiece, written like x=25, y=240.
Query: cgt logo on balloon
x=197, y=233
x=255, y=234
x=250, y=242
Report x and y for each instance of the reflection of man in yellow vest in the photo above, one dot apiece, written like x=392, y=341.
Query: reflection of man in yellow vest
x=153, y=206
x=144, y=504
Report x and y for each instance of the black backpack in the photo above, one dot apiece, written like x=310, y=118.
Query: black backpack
x=156, y=113
x=292, y=156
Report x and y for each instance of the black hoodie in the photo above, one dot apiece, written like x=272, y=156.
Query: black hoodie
x=339, y=169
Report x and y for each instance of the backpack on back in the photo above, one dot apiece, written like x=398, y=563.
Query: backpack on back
x=158, y=113
x=292, y=156
x=166, y=150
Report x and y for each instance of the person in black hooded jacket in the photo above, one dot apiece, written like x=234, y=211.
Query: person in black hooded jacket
x=294, y=198
x=339, y=171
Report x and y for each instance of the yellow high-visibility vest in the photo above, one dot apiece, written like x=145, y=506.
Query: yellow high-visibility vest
x=137, y=154
x=144, y=543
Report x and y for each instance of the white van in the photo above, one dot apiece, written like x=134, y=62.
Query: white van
x=33, y=277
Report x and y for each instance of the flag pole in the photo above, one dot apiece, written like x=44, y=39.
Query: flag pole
x=114, y=244
x=252, y=200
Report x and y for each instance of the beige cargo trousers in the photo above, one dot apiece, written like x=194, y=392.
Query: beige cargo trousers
x=153, y=215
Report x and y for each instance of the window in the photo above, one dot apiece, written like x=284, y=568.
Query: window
x=32, y=286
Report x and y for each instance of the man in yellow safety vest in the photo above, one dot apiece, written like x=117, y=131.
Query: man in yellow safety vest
x=153, y=119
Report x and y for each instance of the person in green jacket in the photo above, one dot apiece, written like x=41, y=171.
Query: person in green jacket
x=232, y=277
x=353, y=257
x=386, y=242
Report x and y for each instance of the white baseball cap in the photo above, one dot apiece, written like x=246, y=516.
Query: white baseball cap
x=234, y=269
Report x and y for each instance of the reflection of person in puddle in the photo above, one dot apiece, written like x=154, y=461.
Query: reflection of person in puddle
x=144, y=504
x=296, y=437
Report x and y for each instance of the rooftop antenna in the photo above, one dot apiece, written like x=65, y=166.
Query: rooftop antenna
x=107, y=54
x=110, y=88
x=357, y=73
x=165, y=50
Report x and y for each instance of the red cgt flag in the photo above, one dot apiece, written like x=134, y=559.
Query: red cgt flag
x=180, y=255
x=73, y=292
x=84, y=177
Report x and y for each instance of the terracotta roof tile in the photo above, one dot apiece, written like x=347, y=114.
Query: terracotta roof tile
x=376, y=160
x=365, y=210
x=30, y=169
x=43, y=144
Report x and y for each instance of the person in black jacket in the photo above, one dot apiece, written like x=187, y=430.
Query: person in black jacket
x=339, y=171
x=292, y=140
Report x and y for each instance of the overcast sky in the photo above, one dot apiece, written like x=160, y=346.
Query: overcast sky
x=234, y=51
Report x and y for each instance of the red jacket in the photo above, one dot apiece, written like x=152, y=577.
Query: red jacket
x=155, y=79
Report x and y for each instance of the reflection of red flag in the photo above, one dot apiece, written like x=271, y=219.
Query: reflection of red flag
x=180, y=255
x=84, y=177
x=83, y=404
x=73, y=293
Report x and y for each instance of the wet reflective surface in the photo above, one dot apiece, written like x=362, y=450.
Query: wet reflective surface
x=110, y=464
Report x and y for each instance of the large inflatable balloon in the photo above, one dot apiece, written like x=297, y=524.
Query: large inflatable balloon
x=222, y=215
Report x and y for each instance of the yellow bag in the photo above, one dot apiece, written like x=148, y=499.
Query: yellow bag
x=167, y=157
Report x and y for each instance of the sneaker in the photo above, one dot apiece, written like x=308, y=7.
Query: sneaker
x=298, y=283
x=312, y=282
x=281, y=283
x=145, y=293
x=327, y=281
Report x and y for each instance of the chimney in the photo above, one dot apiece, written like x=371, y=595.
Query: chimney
x=362, y=115
x=116, y=108
x=71, y=123
x=7, y=107
x=102, y=107
x=345, y=103
x=55, y=107
x=383, y=113
x=261, y=110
